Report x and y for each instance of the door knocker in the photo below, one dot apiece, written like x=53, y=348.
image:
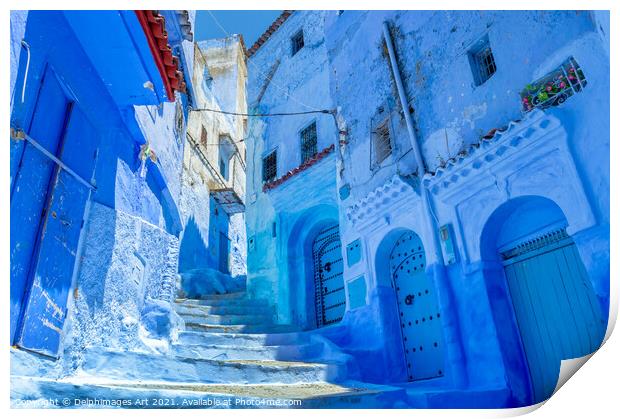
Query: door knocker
x=328, y=266
x=409, y=299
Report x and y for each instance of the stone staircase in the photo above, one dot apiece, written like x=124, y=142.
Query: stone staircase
x=228, y=347
x=240, y=336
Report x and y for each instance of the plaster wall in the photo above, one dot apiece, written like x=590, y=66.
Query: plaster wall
x=281, y=82
x=450, y=114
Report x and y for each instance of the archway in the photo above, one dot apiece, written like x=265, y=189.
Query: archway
x=314, y=264
x=556, y=313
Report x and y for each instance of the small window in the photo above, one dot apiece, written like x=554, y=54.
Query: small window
x=382, y=143
x=308, y=142
x=223, y=169
x=482, y=61
x=203, y=136
x=270, y=167
x=227, y=150
x=207, y=81
x=297, y=42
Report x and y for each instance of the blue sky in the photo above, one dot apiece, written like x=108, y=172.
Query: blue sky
x=250, y=23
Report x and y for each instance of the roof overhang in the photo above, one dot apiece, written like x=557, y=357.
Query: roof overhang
x=119, y=51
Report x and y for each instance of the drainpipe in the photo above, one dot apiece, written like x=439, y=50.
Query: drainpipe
x=455, y=351
x=414, y=142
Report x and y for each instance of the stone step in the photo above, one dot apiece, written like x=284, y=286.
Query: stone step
x=227, y=320
x=229, y=296
x=193, y=395
x=241, y=352
x=242, y=339
x=116, y=365
x=239, y=328
x=225, y=309
x=217, y=302
x=198, y=316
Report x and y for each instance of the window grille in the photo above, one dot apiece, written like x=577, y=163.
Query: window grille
x=308, y=142
x=297, y=42
x=270, y=167
x=381, y=142
x=482, y=61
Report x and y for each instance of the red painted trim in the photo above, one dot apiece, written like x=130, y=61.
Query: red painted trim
x=311, y=162
x=154, y=47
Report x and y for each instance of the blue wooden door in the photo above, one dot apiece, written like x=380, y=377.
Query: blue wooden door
x=56, y=246
x=330, y=300
x=555, y=306
x=30, y=187
x=418, y=309
x=224, y=251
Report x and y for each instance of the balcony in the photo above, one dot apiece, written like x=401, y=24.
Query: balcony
x=228, y=193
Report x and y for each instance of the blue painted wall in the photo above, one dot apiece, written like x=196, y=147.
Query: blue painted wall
x=450, y=113
x=122, y=112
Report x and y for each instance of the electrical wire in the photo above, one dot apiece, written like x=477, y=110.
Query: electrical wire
x=271, y=82
x=324, y=111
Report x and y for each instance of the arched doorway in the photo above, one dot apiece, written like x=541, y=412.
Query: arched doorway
x=418, y=308
x=330, y=299
x=556, y=311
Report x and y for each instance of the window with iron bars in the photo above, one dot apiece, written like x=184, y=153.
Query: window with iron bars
x=482, y=61
x=308, y=142
x=382, y=143
x=297, y=42
x=270, y=166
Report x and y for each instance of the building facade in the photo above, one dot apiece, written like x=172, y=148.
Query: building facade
x=213, y=197
x=459, y=211
x=99, y=110
x=291, y=192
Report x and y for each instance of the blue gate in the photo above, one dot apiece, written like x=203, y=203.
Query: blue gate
x=46, y=273
x=330, y=299
x=420, y=318
x=555, y=306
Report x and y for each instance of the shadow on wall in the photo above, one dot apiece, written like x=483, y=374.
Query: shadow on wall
x=194, y=252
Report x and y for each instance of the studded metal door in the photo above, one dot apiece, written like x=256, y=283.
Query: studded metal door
x=418, y=309
x=329, y=284
x=556, y=309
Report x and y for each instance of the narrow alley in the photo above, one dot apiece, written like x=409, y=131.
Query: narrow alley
x=360, y=209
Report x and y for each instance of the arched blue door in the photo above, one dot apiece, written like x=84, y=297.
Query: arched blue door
x=329, y=285
x=418, y=309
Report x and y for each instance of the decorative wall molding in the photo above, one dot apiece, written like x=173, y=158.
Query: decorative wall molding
x=529, y=157
x=380, y=201
x=499, y=144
